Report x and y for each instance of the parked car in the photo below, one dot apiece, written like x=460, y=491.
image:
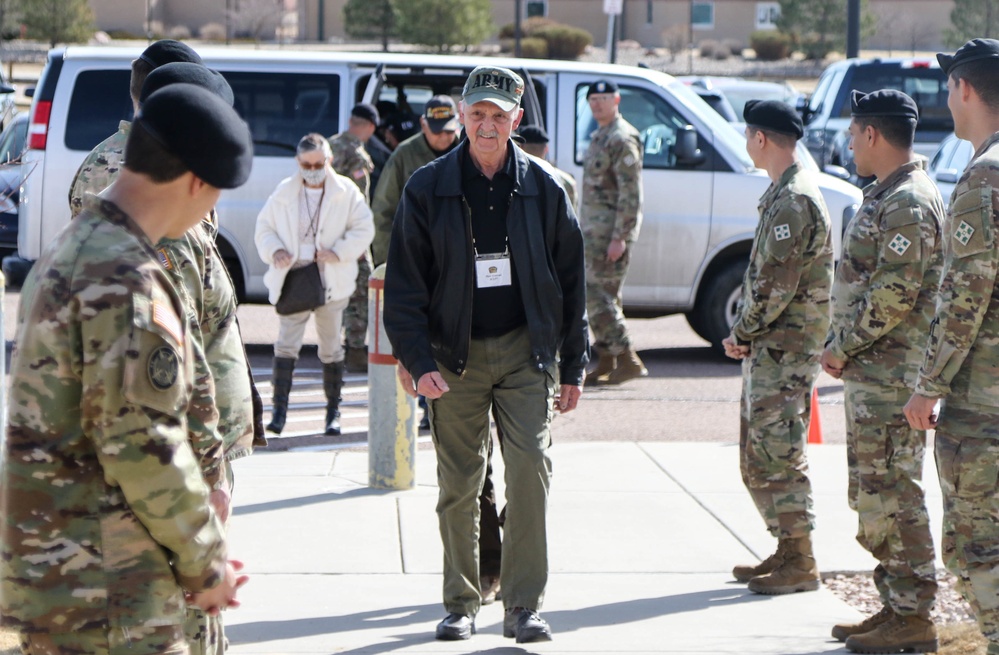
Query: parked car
x=826, y=112
x=717, y=101
x=701, y=188
x=948, y=164
x=739, y=91
x=12, y=142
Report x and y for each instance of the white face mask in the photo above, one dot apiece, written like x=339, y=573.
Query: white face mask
x=313, y=177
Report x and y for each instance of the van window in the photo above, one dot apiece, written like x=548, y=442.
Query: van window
x=99, y=102
x=281, y=108
x=652, y=116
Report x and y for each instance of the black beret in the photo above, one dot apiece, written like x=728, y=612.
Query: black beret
x=534, y=134
x=602, y=86
x=182, y=72
x=367, y=112
x=167, y=51
x=201, y=130
x=973, y=50
x=773, y=115
x=886, y=102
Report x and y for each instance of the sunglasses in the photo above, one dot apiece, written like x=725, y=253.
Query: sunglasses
x=311, y=167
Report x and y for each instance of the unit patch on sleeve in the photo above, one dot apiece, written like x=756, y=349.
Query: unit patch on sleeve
x=964, y=233
x=782, y=232
x=899, y=245
x=162, y=367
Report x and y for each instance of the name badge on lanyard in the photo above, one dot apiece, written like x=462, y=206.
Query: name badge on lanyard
x=493, y=270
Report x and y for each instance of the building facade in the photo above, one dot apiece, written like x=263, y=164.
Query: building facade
x=902, y=24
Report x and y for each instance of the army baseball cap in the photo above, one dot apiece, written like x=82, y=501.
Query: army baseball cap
x=441, y=114
x=886, y=102
x=973, y=50
x=773, y=115
x=500, y=86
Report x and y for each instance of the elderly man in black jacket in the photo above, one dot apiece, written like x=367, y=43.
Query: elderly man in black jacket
x=485, y=307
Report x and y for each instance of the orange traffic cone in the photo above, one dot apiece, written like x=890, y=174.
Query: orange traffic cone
x=815, y=421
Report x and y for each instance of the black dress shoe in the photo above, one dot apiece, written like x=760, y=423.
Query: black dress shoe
x=526, y=625
x=456, y=627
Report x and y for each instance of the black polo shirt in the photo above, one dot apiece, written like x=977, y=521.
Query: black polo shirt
x=495, y=310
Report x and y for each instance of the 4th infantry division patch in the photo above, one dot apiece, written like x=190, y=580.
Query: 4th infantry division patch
x=782, y=232
x=899, y=245
x=963, y=233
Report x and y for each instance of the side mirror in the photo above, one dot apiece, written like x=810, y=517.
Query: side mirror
x=948, y=175
x=801, y=106
x=836, y=171
x=686, y=150
x=29, y=92
x=5, y=89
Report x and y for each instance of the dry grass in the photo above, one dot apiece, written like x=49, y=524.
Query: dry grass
x=961, y=639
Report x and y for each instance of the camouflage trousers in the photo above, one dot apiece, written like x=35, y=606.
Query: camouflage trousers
x=776, y=388
x=355, y=317
x=604, y=280
x=161, y=640
x=885, y=464
x=205, y=634
x=967, y=454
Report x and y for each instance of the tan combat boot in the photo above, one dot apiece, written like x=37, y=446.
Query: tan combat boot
x=897, y=634
x=746, y=572
x=841, y=631
x=629, y=367
x=604, y=367
x=796, y=572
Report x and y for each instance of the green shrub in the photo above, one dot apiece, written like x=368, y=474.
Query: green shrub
x=530, y=47
x=564, y=41
x=815, y=49
x=770, y=45
x=527, y=27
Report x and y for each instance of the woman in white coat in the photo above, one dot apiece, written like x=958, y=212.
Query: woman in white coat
x=314, y=215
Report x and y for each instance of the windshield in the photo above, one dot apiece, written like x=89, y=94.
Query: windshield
x=727, y=139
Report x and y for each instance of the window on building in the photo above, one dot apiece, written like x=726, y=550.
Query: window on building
x=702, y=14
x=536, y=8
x=767, y=14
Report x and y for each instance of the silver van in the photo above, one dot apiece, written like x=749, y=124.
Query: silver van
x=701, y=189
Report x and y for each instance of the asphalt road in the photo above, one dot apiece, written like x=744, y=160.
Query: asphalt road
x=690, y=394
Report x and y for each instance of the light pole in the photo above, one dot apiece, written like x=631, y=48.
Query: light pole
x=517, y=21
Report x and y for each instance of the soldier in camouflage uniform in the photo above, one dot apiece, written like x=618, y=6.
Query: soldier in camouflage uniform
x=227, y=422
x=778, y=334
x=882, y=303
x=103, y=163
x=961, y=359
x=351, y=159
x=611, y=216
x=103, y=536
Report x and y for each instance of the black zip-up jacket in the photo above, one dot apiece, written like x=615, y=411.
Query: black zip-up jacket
x=431, y=270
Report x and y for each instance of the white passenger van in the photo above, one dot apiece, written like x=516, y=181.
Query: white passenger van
x=701, y=190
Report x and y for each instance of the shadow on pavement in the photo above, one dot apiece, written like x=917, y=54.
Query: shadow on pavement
x=275, y=505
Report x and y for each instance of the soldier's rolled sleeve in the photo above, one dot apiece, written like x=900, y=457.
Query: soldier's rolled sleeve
x=776, y=282
x=627, y=169
x=893, y=287
x=966, y=285
x=146, y=452
x=407, y=293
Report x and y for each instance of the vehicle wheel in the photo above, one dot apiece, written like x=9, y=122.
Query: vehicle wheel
x=694, y=321
x=717, y=306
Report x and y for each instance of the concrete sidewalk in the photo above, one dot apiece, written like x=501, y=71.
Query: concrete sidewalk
x=643, y=537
